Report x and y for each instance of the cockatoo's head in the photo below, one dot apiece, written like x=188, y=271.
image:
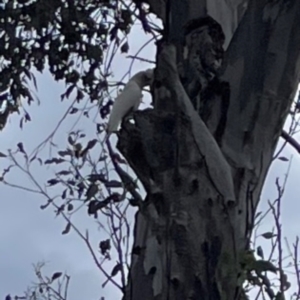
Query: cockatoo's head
x=143, y=78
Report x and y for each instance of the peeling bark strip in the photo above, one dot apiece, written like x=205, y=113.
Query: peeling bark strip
x=187, y=243
x=217, y=167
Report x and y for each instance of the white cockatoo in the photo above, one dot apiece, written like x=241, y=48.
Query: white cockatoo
x=129, y=99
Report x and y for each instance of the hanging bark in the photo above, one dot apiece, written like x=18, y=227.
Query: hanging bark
x=203, y=156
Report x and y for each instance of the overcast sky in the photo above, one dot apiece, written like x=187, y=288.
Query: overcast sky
x=29, y=235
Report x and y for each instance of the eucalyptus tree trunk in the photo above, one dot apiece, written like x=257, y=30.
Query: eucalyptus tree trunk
x=203, y=151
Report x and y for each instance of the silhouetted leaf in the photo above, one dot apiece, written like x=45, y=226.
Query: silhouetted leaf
x=27, y=116
x=70, y=90
x=53, y=181
x=74, y=110
x=70, y=140
x=56, y=275
x=67, y=229
x=54, y=161
x=81, y=188
x=71, y=182
x=64, y=194
x=260, y=252
x=117, y=268
x=95, y=205
x=43, y=206
x=64, y=172
x=21, y=147
x=5, y=171
x=60, y=209
x=283, y=158
x=77, y=150
x=102, y=158
x=91, y=191
x=268, y=235
x=80, y=95
x=104, y=246
x=67, y=152
x=89, y=146
x=100, y=127
x=2, y=154
x=124, y=48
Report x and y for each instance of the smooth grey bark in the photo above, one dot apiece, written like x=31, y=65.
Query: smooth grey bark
x=194, y=226
x=228, y=13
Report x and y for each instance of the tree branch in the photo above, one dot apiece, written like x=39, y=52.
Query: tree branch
x=289, y=139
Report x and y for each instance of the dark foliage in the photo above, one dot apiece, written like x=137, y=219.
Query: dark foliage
x=67, y=37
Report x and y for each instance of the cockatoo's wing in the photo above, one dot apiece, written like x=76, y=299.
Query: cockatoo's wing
x=128, y=100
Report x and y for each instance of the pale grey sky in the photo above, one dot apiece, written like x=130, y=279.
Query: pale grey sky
x=29, y=235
